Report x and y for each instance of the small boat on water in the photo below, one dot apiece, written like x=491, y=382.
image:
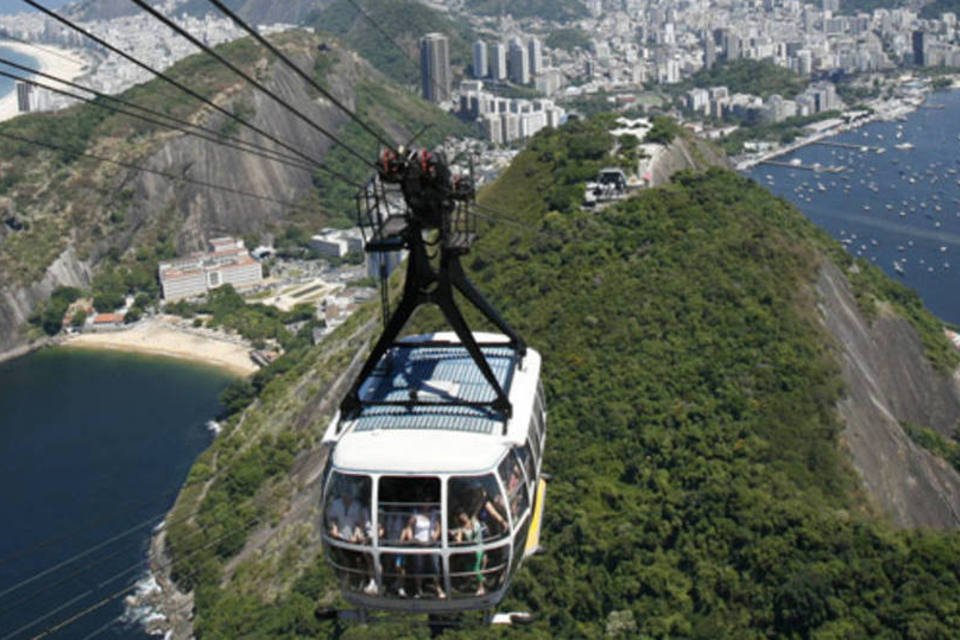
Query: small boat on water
x=903, y=146
x=898, y=267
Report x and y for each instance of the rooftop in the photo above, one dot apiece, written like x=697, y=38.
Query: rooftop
x=438, y=438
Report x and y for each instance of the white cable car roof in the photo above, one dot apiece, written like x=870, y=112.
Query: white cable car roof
x=432, y=438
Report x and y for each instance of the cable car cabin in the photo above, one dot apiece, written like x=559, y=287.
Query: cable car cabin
x=430, y=502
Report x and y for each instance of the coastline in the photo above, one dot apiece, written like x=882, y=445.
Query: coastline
x=883, y=110
x=162, y=337
x=63, y=63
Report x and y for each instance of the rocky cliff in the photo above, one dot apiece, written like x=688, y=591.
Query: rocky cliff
x=889, y=381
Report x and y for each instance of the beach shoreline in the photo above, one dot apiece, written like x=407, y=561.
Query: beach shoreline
x=162, y=337
x=63, y=63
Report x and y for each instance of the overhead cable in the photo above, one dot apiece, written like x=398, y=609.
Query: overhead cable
x=250, y=79
x=313, y=83
x=176, y=83
x=136, y=167
x=214, y=138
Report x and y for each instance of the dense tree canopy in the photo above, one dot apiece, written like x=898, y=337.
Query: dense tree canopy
x=699, y=488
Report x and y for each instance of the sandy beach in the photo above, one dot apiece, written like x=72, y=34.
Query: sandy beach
x=163, y=338
x=57, y=61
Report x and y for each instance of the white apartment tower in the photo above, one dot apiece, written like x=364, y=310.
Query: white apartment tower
x=535, y=54
x=435, y=67
x=498, y=61
x=480, y=59
x=519, y=63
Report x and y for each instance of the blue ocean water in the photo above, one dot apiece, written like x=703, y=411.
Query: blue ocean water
x=900, y=206
x=6, y=84
x=93, y=449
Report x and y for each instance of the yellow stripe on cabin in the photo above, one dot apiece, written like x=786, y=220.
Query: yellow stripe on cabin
x=533, y=538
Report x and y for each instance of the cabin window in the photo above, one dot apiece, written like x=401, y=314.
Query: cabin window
x=476, y=510
x=539, y=415
x=520, y=542
x=511, y=474
x=534, y=432
x=354, y=569
x=409, y=511
x=479, y=572
x=408, y=575
x=526, y=459
x=531, y=444
x=347, y=509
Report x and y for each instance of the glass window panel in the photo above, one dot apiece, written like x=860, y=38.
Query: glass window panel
x=409, y=511
x=408, y=575
x=475, y=502
x=511, y=474
x=354, y=569
x=520, y=542
x=478, y=572
x=526, y=459
x=347, y=510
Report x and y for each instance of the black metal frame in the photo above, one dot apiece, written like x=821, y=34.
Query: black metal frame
x=388, y=226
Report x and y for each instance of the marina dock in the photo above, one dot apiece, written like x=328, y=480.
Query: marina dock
x=816, y=168
x=847, y=145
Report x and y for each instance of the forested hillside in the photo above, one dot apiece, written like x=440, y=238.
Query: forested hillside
x=700, y=489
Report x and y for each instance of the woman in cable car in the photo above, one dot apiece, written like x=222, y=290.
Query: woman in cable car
x=431, y=499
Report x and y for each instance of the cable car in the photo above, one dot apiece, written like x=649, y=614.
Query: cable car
x=432, y=507
x=433, y=492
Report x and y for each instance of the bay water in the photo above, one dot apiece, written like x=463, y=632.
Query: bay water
x=7, y=84
x=94, y=447
x=899, y=208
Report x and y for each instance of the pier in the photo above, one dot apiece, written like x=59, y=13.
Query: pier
x=847, y=145
x=816, y=168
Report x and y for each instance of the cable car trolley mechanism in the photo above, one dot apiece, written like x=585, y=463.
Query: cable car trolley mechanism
x=433, y=493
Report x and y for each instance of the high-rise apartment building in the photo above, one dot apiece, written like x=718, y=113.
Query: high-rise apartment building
x=23, y=96
x=498, y=61
x=919, y=48
x=480, y=59
x=535, y=56
x=435, y=67
x=519, y=63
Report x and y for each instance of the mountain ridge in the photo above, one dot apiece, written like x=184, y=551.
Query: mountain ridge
x=701, y=485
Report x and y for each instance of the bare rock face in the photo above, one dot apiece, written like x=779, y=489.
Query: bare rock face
x=888, y=380
x=16, y=303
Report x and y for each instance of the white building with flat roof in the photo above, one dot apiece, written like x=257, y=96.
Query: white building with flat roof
x=227, y=262
x=336, y=243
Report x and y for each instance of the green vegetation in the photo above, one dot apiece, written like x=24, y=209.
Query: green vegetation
x=699, y=487
x=935, y=9
x=568, y=39
x=933, y=442
x=259, y=323
x=758, y=77
x=553, y=10
x=404, y=22
x=574, y=156
x=663, y=131
x=784, y=132
x=941, y=82
x=871, y=286
x=49, y=316
x=377, y=102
